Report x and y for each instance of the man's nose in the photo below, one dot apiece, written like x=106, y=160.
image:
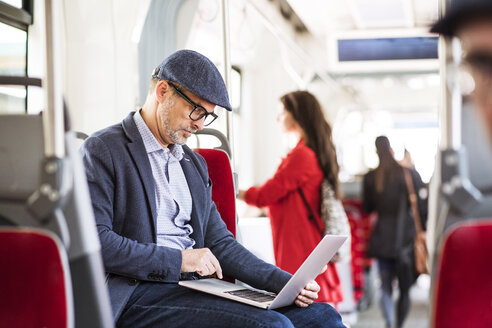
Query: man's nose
x=199, y=124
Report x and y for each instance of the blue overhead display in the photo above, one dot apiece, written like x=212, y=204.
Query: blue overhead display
x=387, y=48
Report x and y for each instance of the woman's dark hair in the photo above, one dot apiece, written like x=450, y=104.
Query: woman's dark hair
x=307, y=112
x=388, y=166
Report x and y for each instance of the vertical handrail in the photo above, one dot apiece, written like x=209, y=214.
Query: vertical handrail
x=451, y=99
x=53, y=123
x=451, y=188
x=450, y=124
x=227, y=73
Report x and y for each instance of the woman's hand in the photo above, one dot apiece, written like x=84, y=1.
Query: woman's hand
x=240, y=194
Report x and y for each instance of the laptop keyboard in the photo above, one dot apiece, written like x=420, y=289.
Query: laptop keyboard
x=253, y=295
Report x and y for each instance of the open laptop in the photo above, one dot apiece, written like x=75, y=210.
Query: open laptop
x=309, y=270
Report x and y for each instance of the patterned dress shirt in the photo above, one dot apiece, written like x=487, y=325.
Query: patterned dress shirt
x=172, y=196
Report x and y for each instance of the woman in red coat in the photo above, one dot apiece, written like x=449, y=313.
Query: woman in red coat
x=301, y=171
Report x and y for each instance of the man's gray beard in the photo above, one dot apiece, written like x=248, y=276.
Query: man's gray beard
x=172, y=134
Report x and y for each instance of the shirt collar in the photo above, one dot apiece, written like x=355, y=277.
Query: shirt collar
x=150, y=142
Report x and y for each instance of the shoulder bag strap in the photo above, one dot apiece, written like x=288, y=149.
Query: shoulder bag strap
x=412, y=197
x=311, y=216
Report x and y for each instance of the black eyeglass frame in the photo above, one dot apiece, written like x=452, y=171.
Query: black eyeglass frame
x=480, y=61
x=205, y=114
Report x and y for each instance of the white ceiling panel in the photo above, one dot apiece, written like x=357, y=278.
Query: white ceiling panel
x=382, y=13
x=325, y=16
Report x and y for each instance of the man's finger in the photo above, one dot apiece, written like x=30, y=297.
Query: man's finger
x=309, y=295
x=312, y=286
x=216, y=266
x=209, y=269
x=201, y=271
x=302, y=301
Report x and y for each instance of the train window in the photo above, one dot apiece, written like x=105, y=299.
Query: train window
x=15, y=17
x=417, y=132
x=12, y=99
x=16, y=13
x=14, y=3
x=13, y=52
x=235, y=89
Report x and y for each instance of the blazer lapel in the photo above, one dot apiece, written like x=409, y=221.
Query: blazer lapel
x=195, y=184
x=137, y=151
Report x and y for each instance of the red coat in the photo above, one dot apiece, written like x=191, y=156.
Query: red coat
x=294, y=235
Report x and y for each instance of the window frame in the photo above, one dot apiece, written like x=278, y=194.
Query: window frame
x=237, y=69
x=19, y=18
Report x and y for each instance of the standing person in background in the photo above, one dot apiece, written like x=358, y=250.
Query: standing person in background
x=385, y=192
x=295, y=232
x=407, y=160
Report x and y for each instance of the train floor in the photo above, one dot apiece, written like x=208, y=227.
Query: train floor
x=419, y=314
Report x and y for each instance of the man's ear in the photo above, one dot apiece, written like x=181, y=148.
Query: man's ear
x=161, y=89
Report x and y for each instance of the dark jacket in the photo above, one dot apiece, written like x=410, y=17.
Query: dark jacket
x=122, y=191
x=394, y=229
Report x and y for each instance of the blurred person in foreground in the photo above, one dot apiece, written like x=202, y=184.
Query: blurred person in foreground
x=294, y=191
x=391, y=243
x=471, y=22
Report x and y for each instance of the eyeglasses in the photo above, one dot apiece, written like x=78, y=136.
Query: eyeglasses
x=198, y=111
x=480, y=61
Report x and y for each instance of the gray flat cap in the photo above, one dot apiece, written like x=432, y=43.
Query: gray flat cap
x=197, y=74
x=461, y=12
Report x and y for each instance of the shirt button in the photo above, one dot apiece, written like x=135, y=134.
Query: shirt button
x=132, y=282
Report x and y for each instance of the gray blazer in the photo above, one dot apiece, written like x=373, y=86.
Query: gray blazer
x=122, y=191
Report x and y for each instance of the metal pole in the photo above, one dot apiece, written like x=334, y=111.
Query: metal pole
x=456, y=104
x=445, y=94
x=53, y=124
x=227, y=73
x=451, y=100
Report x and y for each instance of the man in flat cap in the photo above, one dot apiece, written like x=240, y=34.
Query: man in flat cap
x=471, y=22
x=157, y=222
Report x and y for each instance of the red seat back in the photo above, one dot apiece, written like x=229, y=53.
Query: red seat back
x=220, y=172
x=464, y=284
x=33, y=292
x=360, y=228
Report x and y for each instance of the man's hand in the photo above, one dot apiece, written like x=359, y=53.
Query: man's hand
x=201, y=261
x=307, y=296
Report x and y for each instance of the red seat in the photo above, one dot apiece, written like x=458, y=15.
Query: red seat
x=360, y=228
x=35, y=289
x=463, y=296
x=223, y=194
